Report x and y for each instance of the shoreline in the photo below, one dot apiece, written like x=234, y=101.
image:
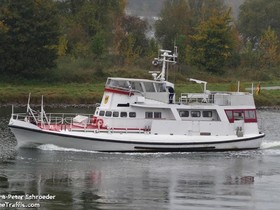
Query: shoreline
x=93, y=105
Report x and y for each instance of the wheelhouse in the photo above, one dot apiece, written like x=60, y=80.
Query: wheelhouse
x=136, y=85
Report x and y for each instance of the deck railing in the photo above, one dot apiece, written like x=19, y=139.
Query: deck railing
x=218, y=98
x=66, y=121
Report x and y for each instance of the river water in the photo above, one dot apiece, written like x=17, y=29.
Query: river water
x=50, y=177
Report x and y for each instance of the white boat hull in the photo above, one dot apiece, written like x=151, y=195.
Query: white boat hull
x=29, y=134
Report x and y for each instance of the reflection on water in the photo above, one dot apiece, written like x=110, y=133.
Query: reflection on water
x=93, y=180
x=7, y=140
x=134, y=181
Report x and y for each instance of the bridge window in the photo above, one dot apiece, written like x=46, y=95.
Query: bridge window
x=136, y=86
x=149, y=86
x=123, y=84
x=160, y=87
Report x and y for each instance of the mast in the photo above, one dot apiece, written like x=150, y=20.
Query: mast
x=164, y=58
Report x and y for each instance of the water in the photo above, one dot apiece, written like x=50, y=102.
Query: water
x=75, y=179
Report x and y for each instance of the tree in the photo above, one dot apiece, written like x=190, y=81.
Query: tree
x=174, y=21
x=29, y=34
x=129, y=50
x=177, y=21
x=250, y=56
x=269, y=48
x=256, y=15
x=212, y=44
x=90, y=25
x=133, y=37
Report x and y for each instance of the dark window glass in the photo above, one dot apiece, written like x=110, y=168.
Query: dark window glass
x=207, y=113
x=148, y=114
x=195, y=113
x=184, y=113
x=115, y=114
x=101, y=113
x=132, y=114
x=157, y=115
x=108, y=114
x=123, y=114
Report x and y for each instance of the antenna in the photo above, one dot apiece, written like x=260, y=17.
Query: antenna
x=164, y=58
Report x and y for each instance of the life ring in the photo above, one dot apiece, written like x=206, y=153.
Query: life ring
x=100, y=123
x=94, y=120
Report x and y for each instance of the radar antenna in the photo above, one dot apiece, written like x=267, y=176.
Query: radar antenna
x=165, y=57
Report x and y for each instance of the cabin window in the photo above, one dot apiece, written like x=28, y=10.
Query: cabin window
x=115, y=114
x=230, y=116
x=184, y=113
x=149, y=86
x=195, y=113
x=238, y=114
x=108, y=114
x=148, y=115
x=250, y=116
x=123, y=114
x=246, y=115
x=101, y=113
x=234, y=115
x=207, y=113
x=132, y=114
x=157, y=115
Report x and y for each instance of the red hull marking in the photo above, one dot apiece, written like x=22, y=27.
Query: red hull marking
x=123, y=92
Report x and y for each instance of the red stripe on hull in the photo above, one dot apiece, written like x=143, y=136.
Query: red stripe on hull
x=124, y=92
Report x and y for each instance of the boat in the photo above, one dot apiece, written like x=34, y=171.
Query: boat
x=143, y=115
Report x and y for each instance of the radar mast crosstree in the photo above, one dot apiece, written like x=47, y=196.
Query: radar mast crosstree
x=165, y=57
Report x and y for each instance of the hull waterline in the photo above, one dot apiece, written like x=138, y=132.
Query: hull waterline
x=106, y=142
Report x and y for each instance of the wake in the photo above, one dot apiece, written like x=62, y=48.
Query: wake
x=52, y=147
x=270, y=145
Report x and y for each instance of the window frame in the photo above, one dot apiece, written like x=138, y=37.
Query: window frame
x=123, y=114
x=132, y=114
x=195, y=111
x=157, y=115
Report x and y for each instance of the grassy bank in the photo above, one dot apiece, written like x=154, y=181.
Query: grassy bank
x=81, y=81
x=90, y=93
x=53, y=94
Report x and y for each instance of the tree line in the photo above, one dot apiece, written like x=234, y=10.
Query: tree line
x=35, y=33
